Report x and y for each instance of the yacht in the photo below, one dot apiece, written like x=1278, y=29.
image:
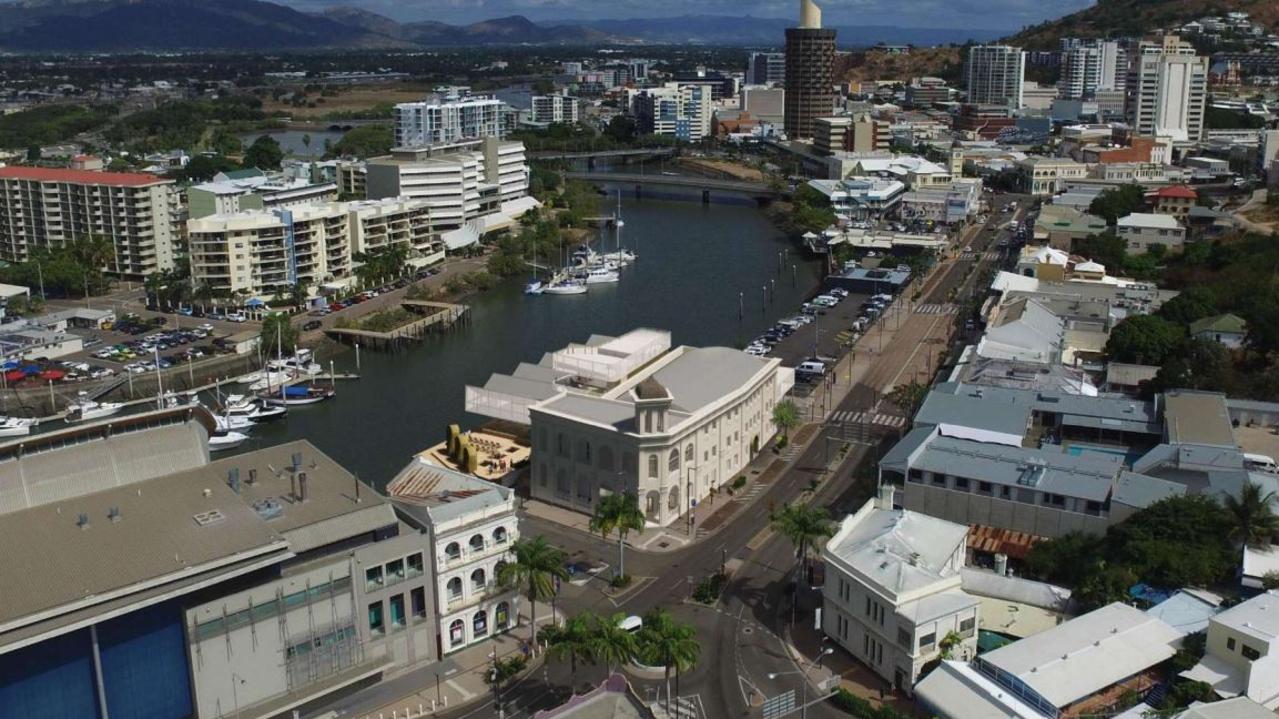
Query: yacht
x=85, y=409
x=226, y=440
x=601, y=275
x=299, y=395
x=251, y=408
x=565, y=287
x=271, y=380
x=15, y=426
x=301, y=363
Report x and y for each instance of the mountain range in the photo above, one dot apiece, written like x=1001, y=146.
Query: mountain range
x=245, y=25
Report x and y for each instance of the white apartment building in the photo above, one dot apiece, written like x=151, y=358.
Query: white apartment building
x=892, y=591
x=551, y=109
x=447, y=120
x=630, y=414
x=995, y=74
x=683, y=112
x=1089, y=65
x=50, y=207
x=1143, y=230
x=220, y=198
x=376, y=224
x=1167, y=90
x=861, y=198
x=470, y=525
x=258, y=253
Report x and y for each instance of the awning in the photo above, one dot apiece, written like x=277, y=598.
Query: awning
x=255, y=302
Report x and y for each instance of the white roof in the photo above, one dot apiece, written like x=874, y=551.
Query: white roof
x=1258, y=617
x=1257, y=562
x=963, y=693
x=1088, y=653
x=1050, y=255
x=1148, y=219
x=899, y=551
x=1237, y=708
x=1090, y=266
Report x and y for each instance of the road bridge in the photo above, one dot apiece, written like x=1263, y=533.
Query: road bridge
x=758, y=190
x=603, y=154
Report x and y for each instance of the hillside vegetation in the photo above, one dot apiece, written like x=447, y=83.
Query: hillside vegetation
x=1115, y=18
x=943, y=62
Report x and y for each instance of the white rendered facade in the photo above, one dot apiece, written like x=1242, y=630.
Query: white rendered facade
x=1168, y=90
x=555, y=109
x=422, y=124
x=995, y=75
x=394, y=221
x=1089, y=65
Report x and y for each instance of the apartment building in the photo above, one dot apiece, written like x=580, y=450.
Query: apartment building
x=49, y=207
x=554, y=109
x=1143, y=230
x=858, y=133
x=259, y=253
x=766, y=103
x=1089, y=65
x=927, y=91
x=1167, y=90
x=470, y=525
x=351, y=177
x=679, y=111
x=765, y=68
x=892, y=590
x=220, y=198
x=1238, y=659
x=631, y=414
x=377, y=224
x=995, y=74
x=445, y=119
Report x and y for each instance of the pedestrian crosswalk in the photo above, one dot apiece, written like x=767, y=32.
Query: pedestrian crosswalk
x=933, y=308
x=974, y=255
x=879, y=419
x=681, y=707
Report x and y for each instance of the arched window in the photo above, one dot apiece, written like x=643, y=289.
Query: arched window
x=477, y=543
x=652, y=465
x=652, y=505
x=672, y=499
x=455, y=588
x=606, y=457
x=688, y=454
x=477, y=580
x=480, y=624
x=502, y=615
x=453, y=551
x=499, y=535
x=672, y=462
x=457, y=632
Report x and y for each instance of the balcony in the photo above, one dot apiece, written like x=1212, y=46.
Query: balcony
x=471, y=554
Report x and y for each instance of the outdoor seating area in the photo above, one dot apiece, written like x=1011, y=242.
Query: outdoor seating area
x=498, y=453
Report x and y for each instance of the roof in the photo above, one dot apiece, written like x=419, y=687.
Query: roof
x=613, y=699
x=1087, y=476
x=439, y=494
x=1015, y=589
x=1005, y=413
x=1192, y=417
x=1257, y=617
x=1260, y=561
x=956, y=690
x=81, y=177
x=702, y=376
x=1236, y=708
x=1139, y=490
x=1130, y=375
x=1087, y=654
x=650, y=388
x=898, y=550
x=1221, y=324
x=1175, y=191
x=1147, y=219
x=1187, y=612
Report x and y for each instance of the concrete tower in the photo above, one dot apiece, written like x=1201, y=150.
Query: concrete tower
x=810, y=59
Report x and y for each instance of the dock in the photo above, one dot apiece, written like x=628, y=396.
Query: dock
x=437, y=318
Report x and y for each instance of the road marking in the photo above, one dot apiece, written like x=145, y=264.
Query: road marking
x=452, y=684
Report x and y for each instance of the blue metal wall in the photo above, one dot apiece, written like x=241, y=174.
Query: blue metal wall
x=144, y=664
x=50, y=680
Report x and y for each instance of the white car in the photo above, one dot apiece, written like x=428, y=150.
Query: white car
x=237, y=317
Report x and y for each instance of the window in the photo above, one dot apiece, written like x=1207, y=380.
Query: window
x=477, y=580
x=376, y=627
x=652, y=466
x=939, y=480
x=1230, y=643
x=1249, y=653
x=397, y=612
x=868, y=606
x=927, y=641
x=457, y=632
x=562, y=487
x=1056, y=500
x=499, y=535
x=480, y=624
x=904, y=639
x=983, y=487
x=455, y=588
x=477, y=543
x=502, y=615
x=966, y=626
x=453, y=551
x=414, y=563
x=961, y=483
x=672, y=462
x=561, y=445
x=395, y=572
x=584, y=452
x=606, y=458
x=688, y=454
x=672, y=499
x=417, y=598
x=915, y=475
x=542, y=474
x=372, y=579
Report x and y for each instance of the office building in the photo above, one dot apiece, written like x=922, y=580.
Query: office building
x=678, y=111
x=631, y=414
x=470, y=525
x=892, y=591
x=995, y=74
x=861, y=198
x=810, y=60
x=1089, y=65
x=140, y=215
x=447, y=119
x=554, y=109
x=1167, y=90
x=857, y=133
x=765, y=68
x=766, y=103
x=156, y=583
x=927, y=91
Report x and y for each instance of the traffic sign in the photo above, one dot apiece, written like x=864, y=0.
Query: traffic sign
x=779, y=705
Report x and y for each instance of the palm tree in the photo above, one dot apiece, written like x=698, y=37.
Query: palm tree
x=1254, y=522
x=669, y=644
x=805, y=527
x=535, y=567
x=612, y=644
x=618, y=513
x=908, y=397
x=786, y=416
x=574, y=642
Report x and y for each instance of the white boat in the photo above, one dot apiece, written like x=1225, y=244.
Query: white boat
x=249, y=378
x=621, y=257
x=299, y=395
x=237, y=405
x=227, y=440
x=271, y=380
x=15, y=426
x=601, y=275
x=565, y=287
x=533, y=288
x=227, y=422
x=85, y=409
x=300, y=363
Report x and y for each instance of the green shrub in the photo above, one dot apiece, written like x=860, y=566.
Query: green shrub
x=739, y=482
x=709, y=589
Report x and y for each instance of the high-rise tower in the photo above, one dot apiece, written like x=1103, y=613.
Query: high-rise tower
x=810, y=59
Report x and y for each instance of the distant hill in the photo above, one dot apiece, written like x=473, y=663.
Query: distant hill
x=747, y=30
x=514, y=30
x=1117, y=18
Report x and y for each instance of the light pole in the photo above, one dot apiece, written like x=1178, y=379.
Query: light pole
x=235, y=693
x=803, y=683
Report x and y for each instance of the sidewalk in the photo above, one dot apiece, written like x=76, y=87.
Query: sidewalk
x=455, y=680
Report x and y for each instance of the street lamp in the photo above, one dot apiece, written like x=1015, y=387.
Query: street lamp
x=803, y=684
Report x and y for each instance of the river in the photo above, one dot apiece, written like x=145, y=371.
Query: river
x=293, y=142
x=693, y=261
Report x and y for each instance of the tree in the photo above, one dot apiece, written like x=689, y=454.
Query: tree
x=1194, y=303
x=621, y=128
x=264, y=154
x=33, y=153
x=1106, y=248
x=908, y=397
x=611, y=644
x=535, y=567
x=1253, y=521
x=1262, y=316
x=364, y=141
x=1197, y=364
x=785, y=416
x=278, y=332
x=805, y=527
x=666, y=643
x=1118, y=202
x=573, y=642
x=1143, y=339
x=618, y=513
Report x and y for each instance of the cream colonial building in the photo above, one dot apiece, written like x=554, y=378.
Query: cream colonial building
x=631, y=414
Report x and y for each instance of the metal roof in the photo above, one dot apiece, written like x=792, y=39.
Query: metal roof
x=1088, y=476
x=1139, y=490
x=439, y=494
x=898, y=550
x=1192, y=417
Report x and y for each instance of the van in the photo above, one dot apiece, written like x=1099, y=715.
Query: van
x=811, y=368
x=1260, y=463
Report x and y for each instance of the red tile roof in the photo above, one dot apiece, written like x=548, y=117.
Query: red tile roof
x=1176, y=191
x=80, y=177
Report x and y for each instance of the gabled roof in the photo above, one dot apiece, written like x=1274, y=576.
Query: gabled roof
x=1174, y=191
x=1226, y=324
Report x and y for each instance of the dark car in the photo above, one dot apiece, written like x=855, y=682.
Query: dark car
x=312, y=325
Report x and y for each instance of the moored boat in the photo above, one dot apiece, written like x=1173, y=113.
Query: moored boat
x=85, y=409
x=15, y=426
x=296, y=395
x=226, y=440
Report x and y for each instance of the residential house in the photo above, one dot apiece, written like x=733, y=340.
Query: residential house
x=1242, y=652
x=1143, y=230
x=1175, y=200
x=1230, y=330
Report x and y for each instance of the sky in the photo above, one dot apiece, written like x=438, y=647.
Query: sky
x=994, y=14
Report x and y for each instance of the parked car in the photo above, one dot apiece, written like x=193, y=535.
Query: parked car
x=312, y=325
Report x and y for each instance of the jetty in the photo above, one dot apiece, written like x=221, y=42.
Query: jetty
x=433, y=318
